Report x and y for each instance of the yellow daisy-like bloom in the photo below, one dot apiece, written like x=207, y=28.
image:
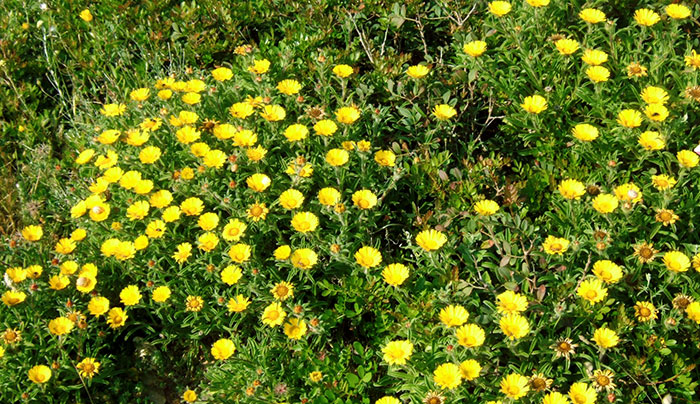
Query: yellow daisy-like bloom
x=592, y=290
x=130, y=295
x=140, y=94
x=663, y=182
x=192, y=206
x=431, y=240
x=208, y=221
x=325, y=127
x=113, y=109
x=693, y=60
x=347, y=115
x=241, y=110
x=594, y=57
x=364, y=199
x=295, y=328
x=291, y=199
x=189, y=396
x=222, y=349
x=296, y=132
x=654, y=95
x=273, y=113
x=337, y=157
x=470, y=335
x=304, y=258
x=598, y=74
x=418, y=71
x=207, y=241
x=486, y=207
x=260, y=66
x=244, y=138
x=385, y=158
x=171, y=214
x=605, y=337
x=474, y=48
x=282, y=252
x=585, y=132
x=116, y=317
x=676, y=261
x=572, y=189
x=60, y=326
x=289, y=87
x=444, y=112
x=239, y=253
x=696, y=262
x=651, y=141
x=191, y=98
x=629, y=118
x=538, y=3
x=86, y=15
x=454, y=315
x=258, y=182
x=607, y=271
x=581, y=393
x=368, y=257
x=98, y=306
x=515, y=386
x=85, y=283
x=238, y=304
x=645, y=252
x=39, y=374
x=257, y=212
x=395, y=274
x=677, y=11
x=315, y=376
x=194, y=303
x=182, y=253
x=592, y=15
x=499, y=8
x=534, y=104
x=161, y=294
x=273, y=315
x=231, y=274
x=555, y=245
x=17, y=274
x=693, y=311
x=234, y=230
x=603, y=380
x=566, y=46
x=645, y=311
x=397, y=352
x=343, y=71
x=555, y=398
x=304, y=222
x=646, y=17
x=687, y=159
x=470, y=369
x=514, y=326
x=256, y=153
x=634, y=69
x=656, y=112
x=605, y=203
x=510, y=302
x=628, y=193
x=88, y=367
x=282, y=291
x=447, y=376
x=65, y=246
x=222, y=74
x=388, y=400
x=85, y=156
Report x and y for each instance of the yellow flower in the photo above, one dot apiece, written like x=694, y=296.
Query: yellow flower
x=654, y=95
x=86, y=282
x=315, y=376
x=214, y=158
x=397, y=352
x=347, y=115
x=628, y=193
x=418, y=71
x=388, y=400
x=470, y=369
x=454, y=315
x=116, y=317
x=646, y=17
x=566, y=46
x=238, y=304
x=510, y=302
x=470, y=335
x=194, y=303
x=234, y=230
x=581, y=393
x=385, y=158
x=190, y=396
x=555, y=245
x=605, y=338
x=39, y=374
x=325, y=127
x=368, y=257
x=85, y=156
x=86, y=15
x=693, y=311
x=60, y=326
x=17, y=274
x=395, y=274
x=515, y=386
x=191, y=98
x=343, y=71
x=676, y=261
x=651, y=141
x=598, y=74
x=161, y=294
x=65, y=246
x=241, y=110
x=273, y=315
x=592, y=15
x=486, y=207
x=273, y=113
x=663, y=182
x=208, y=221
x=645, y=311
x=607, y=271
x=337, y=157
x=282, y=252
x=231, y=274
x=572, y=189
x=538, y=3
x=592, y=290
x=693, y=60
x=555, y=398
x=282, y=291
x=295, y=328
x=138, y=210
x=447, y=376
x=207, y=241
x=687, y=158
x=239, y=253
x=258, y=182
x=113, y=109
x=130, y=295
x=431, y=239
x=585, y=132
x=225, y=131
x=256, y=153
x=288, y=87
x=514, y=326
x=183, y=252
x=109, y=136
x=499, y=8
x=222, y=74
x=594, y=57
x=304, y=222
x=677, y=11
x=474, y=48
x=222, y=349
x=364, y=199
x=666, y=216
x=534, y=104
x=192, y=206
x=304, y=258
x=260, y=66
x=634, y=69
x=88, y=367
x=296, y=132
x=656, y=112
x=629, y=118
x=165, y=94
x=444, y=112
x=328, y=196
